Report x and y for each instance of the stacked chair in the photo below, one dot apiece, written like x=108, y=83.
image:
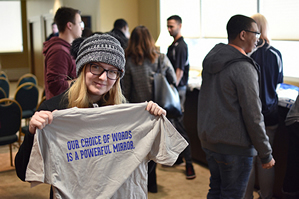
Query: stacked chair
x=2, y=93
x=27, y=95
x=5, y=85
x=13, y=111
x=3, y=74
x=27, y=78
x=10, y=123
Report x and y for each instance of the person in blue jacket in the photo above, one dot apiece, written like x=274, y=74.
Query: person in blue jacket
x=270, y=61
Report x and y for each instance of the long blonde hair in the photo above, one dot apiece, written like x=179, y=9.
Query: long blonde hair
x=78, y=93
x=262, y=25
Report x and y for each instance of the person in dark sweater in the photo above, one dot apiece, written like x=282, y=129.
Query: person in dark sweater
x=54, y=33
x=177, y=53
x=121, y=32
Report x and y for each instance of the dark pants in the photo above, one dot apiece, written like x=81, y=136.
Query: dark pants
x=291, y=180
x=229, y=175
x=178, y=123
x=152, y=177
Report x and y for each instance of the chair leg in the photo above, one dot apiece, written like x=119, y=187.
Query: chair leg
x=20, y=137
x=10, y=148
x=27, y=120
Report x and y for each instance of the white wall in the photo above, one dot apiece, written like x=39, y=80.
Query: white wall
x=90, y=7
x=38, y=8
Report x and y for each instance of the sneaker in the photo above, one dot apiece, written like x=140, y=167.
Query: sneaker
x=190, y=174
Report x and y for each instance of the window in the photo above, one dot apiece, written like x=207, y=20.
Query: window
x=216, y=13
x=11, y=23
x=282, y=17
x=204, y=25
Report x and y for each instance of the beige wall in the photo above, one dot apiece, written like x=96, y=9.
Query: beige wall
x=38, y=8
x=114, y=9
x=90, y=7
x=40, y=16
x=135, y=12
x=149, y=16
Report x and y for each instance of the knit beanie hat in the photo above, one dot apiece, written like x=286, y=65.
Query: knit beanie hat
x=98, y=48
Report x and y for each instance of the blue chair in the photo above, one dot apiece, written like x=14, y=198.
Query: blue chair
x=2, y=93
x=10, y=123
x=27, y=78
x=4, y=84
x=25, y=129
x=27, y=96
x=3, y=74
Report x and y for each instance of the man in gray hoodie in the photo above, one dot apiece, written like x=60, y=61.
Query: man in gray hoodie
x=230, y=123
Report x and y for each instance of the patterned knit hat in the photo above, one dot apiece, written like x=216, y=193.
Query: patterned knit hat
x=100, y=48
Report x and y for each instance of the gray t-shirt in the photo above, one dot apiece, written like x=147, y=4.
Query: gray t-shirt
x=102, y=152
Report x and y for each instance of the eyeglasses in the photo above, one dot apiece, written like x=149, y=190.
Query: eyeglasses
x=82, y=24
x=96, y=69
x=257, y=34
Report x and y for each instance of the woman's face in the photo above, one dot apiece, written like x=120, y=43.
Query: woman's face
x=97, y=81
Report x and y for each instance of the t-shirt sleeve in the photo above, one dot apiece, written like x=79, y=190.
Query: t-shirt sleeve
x=168, y=144
x=35, y=168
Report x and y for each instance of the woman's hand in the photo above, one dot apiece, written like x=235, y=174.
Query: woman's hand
x=39, y=120
x=155, y=109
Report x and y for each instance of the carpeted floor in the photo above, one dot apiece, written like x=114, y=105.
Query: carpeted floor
x=172, y=183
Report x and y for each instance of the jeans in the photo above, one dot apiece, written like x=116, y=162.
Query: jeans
x=229, y=175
